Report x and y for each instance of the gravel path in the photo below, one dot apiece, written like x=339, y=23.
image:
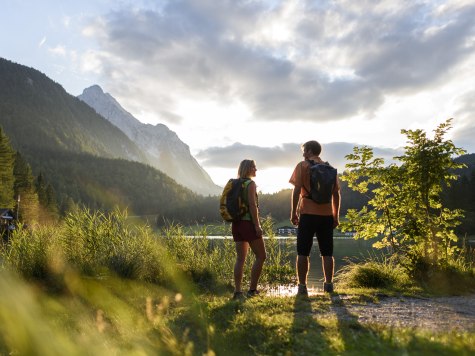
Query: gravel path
x=433, y=314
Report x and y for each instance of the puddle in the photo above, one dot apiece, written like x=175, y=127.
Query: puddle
x=290, y=290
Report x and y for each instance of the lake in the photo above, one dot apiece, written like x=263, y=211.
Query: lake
x=344, y=249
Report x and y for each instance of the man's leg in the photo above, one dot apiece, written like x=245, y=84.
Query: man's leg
x=303, y=265
x=304, y=245
x=325, y=243
x=328, y=264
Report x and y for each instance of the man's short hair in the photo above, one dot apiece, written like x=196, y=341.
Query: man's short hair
x=312, y=146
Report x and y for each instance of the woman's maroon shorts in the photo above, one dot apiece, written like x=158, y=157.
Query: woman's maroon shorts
x=244, y=230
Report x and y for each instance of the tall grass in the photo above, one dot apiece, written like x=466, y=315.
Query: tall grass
x=95, y=243
x=210, y=262
x=279, y=268
x=94, y=240
x=30, y=252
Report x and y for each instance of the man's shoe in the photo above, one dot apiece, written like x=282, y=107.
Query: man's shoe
x=238, y=296
x=252, y=293
x=328, y=287
x=302, y=290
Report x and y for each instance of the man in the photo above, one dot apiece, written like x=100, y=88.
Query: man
x=313, y=219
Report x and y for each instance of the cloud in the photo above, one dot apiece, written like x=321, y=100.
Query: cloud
x=464, y=133
x=286, y=60
x=42, y=42
x=265, y=157
x=58, y=50
x=284, y=156
x=417, y=48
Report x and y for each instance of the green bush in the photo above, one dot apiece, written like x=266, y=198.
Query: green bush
x=373, y=273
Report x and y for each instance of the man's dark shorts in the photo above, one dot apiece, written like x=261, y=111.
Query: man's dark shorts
x=310, y=225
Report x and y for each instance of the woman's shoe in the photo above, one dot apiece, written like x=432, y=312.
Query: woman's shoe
x=238, y=296
x=253, y=293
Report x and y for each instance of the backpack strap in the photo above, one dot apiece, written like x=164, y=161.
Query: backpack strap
x=311, y=162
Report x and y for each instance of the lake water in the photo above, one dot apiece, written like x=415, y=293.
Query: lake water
x=345, y=249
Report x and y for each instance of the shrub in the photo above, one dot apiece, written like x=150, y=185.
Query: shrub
x=374, y=273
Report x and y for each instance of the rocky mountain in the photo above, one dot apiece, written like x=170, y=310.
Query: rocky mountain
x=162, y=147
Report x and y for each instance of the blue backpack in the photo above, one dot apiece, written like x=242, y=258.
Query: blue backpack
x=322, y=182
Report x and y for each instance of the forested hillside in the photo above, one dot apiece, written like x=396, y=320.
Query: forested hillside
x=38, y=114
x=104, y=183
x=461, y=194
x=31, y=199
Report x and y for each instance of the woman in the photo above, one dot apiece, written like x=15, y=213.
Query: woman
x=247, y=232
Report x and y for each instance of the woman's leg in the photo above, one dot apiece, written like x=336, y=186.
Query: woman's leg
x=241, y=252
x=259, y=250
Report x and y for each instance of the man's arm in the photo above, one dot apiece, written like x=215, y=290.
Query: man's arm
x=294, y=202
x=296, y=181
x=336, y=204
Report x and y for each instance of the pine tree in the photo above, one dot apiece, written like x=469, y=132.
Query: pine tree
x=40, y=185
x=52, y=205
x=27, y=199
x=47, y=199
x=6, y=172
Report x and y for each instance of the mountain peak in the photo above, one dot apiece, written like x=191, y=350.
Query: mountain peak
x=93, y=89
x=164, y=150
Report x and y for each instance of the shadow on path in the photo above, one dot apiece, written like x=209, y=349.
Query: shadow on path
x=308, y=334
x=323, y=325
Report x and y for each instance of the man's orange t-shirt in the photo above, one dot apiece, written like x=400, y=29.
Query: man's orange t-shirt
x=301, y=177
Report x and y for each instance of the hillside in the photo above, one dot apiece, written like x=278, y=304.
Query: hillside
x=87, y=159
x=469, y=161
x=37, y=113
x=104, y=183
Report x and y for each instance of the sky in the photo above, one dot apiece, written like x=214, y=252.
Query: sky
x=239, y=79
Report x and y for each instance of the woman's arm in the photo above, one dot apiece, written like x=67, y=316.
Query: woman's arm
x=253, y=209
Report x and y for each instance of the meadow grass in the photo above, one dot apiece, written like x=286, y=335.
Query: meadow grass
x=96, y=285
x=116, y=316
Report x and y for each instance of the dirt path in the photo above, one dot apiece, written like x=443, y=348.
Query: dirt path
x=434, y=314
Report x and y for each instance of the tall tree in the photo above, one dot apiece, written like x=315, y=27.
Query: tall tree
x=40, y=185
x=405, y=209
x=51, y=203
x=6, y=171
x=24, y=188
